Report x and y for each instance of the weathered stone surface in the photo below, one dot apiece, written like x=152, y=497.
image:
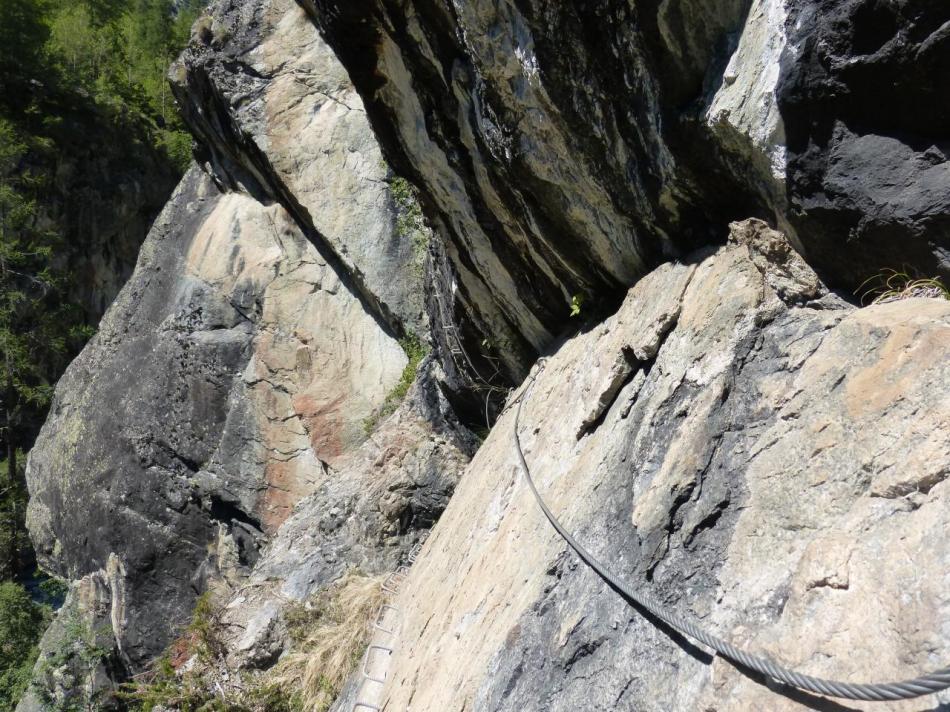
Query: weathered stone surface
x=364, y=515
x=866, y=119
x=775, y=470
x=769, y=459
x=744, y=111
x=81, y=659
x=278, y=117
x=237, y=370
x=539, y=135
x=566, y=148
x=834, y=108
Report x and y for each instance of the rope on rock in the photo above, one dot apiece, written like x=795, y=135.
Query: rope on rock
x=874, y=692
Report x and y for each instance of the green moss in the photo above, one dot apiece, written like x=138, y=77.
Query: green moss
x=415, y=350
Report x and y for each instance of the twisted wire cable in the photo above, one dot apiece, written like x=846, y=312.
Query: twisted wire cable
x=873, y=692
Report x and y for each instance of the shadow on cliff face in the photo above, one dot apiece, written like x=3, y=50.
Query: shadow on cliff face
x=558, y=148
x=565, y=150
x=867, y=122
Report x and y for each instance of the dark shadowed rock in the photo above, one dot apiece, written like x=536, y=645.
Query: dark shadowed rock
x=566, y=148
x=867, y=120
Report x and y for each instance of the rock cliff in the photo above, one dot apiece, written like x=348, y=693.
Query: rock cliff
x=258, y=416
x=766, y=459
x=566, y=148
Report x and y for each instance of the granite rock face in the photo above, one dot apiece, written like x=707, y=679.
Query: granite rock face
x=237, y=370
x=538, y=135
x=278, y=118
x=764, y=458
x=737, y=436
x=567, y=148
x=379, y=502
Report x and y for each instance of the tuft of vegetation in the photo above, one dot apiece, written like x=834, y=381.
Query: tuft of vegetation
x=58, y=679
x=892, y=285
x=189, y=677
x=577, y=302
x=415, y=350
x=330, y=632
x=410, y=223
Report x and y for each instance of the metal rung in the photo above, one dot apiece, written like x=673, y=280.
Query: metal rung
x=389, y=651
x=378, y=624
x=392, y=583
x=366, y=705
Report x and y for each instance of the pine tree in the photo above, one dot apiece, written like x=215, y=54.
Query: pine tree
x=23, y=31
x=35, y=330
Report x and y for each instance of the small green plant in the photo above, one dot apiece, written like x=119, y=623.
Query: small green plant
x=53, y=589
x=892, y=285
x=76, y=658
x=577, y=301
x=204, y=629
x=415, y=350
x=410, y=223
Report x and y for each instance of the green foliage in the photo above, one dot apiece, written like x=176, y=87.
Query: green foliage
x=118, y=52
x=21, y=624
x=38, y=329
x=892, y=285
x=33, y=340
x=197, y=688
x=416, y=350
x=14, y=539
x=76, y=657
x=577, y=301
x=78, y=644
x=65, y=65
x=204, y=629
x=410, y=223
x=23, y=32
x=53, y=589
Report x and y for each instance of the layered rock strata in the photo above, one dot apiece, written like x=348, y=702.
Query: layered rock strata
x=565, y=149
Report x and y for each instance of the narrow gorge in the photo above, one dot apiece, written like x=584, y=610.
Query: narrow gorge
x=686, y=257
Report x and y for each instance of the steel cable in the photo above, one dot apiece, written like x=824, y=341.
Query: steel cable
x=874, y=692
